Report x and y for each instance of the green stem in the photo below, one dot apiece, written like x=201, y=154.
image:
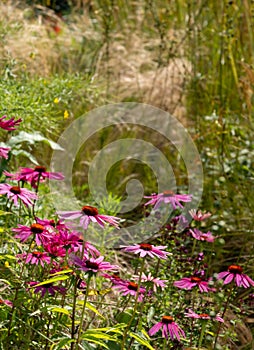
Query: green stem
x=204, y=324
x=224, y=311
x=165, y=343
x=134, y=308
x=74, y=312
x=83, y=311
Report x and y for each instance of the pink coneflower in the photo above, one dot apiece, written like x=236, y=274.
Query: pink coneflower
x=168, y=197
x=9, y=124
x=51, y=224
x=91, y=264
x=89, y=214
x=35, y=258
x=130, y=288
x=37, y=230
x=47, y=288
x=144, y=249
x=200, y=236
x=14, y=176
x=32, y=175
x=4, y=152
x=203, y=316
x=114, y=278
x=89, y=248
x=6, y=302
x=198, y=215
x=15, y=193
x=169, y=328
x=54, y=249
x=191, y=282
x=68, y=240
x=156, y=282
x=235, y=273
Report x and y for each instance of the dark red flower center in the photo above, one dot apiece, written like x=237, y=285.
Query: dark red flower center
x=90, y=211
x=167, y=319
x=92, y=265
x=37, y=254
x=52, y=223
x=195, y=279
x=15, y=189
x=168, y=193
x=204, y=315
x=235, y=269
x=116, y=277
x=47, y=285
x=37, y=228
x=40, y=169
x=1, y=301
x=133, y=286
x=146, y=246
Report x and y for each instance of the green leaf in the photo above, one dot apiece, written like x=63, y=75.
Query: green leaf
x=31, y=139
x=90, y=339
x=62, y=343
x=26, y=154
x=125, y=317
x=99, y=335
x=4, y=213
x=116, y=329
x=91, y=307
x=5, y=281
x=51, y=280
x=141, y=341
x=61, y=310
x=61, y=272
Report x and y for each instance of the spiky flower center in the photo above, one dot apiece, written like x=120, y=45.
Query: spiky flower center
x=47, y=285
x=146, y=246
x=52, y=223
x=90, y=211
x=115, y=276
x=235, y=269
x=37, y=228
x=1, y=301
x=167, y=319
x=195, y=279
x=40, y=169
x=15, y=189
x=168, y=193
x=37, y=254
x=92, y=265
x=133, y=286
x=204, y=316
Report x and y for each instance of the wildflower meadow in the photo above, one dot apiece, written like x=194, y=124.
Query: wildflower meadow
x=126, y=216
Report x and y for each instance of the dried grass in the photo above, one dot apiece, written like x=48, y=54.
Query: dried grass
x=127, y=65
x=133, y=73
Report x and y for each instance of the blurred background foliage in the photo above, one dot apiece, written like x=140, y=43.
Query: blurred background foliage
x=194, y=59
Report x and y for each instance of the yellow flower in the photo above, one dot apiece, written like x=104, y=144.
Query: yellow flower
x=66, y=114
x=56, y=100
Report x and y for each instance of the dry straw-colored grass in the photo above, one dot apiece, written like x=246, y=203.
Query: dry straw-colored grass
x=134, y=73
x=126, y=65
